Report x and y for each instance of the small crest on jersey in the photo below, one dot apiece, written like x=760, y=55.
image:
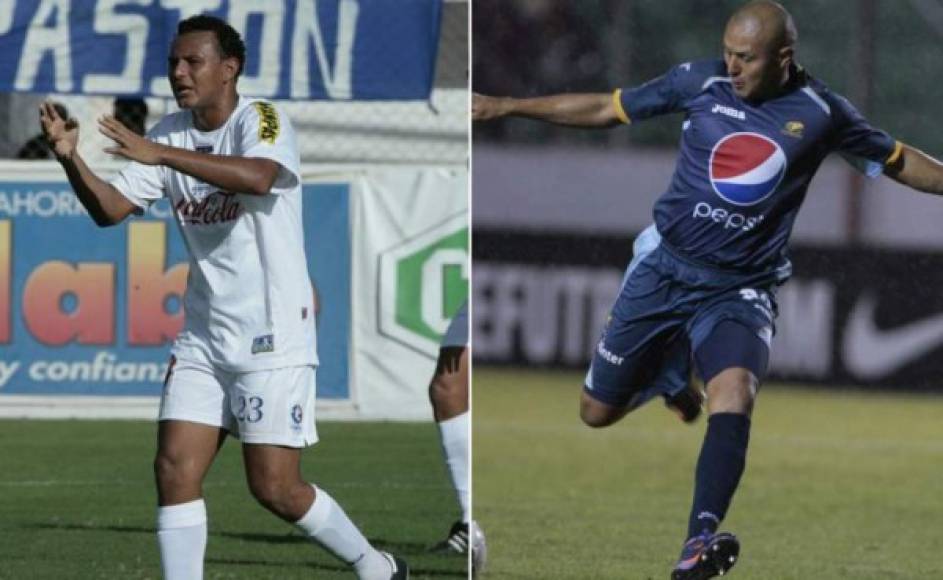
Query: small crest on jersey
x=264, y=343
x=204, y=148
x=794, y=129
x=304, y=312
x=296, y=414
x=268, y=122
x=200, y=190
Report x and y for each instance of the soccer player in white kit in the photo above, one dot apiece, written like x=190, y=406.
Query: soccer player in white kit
x=246, y=359
x=448, y=393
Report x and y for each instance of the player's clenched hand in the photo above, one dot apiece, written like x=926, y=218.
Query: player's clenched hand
x=61, y=134
x=485, y=108
x=128, y=144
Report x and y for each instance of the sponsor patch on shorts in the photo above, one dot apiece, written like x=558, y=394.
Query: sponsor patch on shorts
x=264, y=343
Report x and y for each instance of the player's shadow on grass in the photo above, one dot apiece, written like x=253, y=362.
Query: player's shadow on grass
x=404, y=548
x=288, y=538
x=413, y=571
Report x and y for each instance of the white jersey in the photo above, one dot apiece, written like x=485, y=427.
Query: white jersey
x=249, y=301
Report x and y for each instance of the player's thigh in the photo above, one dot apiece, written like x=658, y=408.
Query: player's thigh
x=275, y=407
x=632, y=357
x=732, y=349
x=193, y=424
x=273, y=473
x=185, y=450
x=195, y=392
x=271, y=463
x=734, y=331
x=733, y=344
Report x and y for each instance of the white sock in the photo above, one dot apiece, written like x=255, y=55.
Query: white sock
x=454, y=435
x=327, y=524
x=181, y=534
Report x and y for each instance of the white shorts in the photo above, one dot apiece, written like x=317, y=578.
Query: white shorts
x=272, y=407
x=457, y=333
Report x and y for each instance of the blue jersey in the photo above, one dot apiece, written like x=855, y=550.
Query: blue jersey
x=743, y=168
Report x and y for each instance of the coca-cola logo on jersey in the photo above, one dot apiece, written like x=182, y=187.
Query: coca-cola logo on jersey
x=215, y=208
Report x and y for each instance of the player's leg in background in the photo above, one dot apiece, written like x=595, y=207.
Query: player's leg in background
x=185, y=452
x=274, y=476
x=448, y=393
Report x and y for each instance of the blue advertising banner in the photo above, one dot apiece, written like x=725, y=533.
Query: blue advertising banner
x=297, y=49
x=70, y=326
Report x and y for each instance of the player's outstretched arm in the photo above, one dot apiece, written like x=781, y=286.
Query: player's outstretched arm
x=575, y=110
x=104, y=203
x=918, y=170
x=234, y=174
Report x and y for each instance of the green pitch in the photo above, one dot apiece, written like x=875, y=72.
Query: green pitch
x=838, y=485
x=77, y=502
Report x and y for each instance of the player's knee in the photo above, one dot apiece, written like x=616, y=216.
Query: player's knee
x=732, y=391
x=445, y=390
x=174, y=471
x=595, y=415
x=273, y=493
x=594, y=420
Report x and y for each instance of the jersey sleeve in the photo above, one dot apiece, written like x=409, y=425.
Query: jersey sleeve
x=666, y=94
x=143, y=184
x=867, y=148
x=265, y=132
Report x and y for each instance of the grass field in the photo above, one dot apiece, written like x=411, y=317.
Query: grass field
x=838, y=485
x=77, y=502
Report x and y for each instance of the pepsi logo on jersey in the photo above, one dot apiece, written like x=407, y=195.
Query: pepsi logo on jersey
x=746, y=168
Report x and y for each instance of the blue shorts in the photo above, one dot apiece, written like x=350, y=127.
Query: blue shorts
x=667, y=309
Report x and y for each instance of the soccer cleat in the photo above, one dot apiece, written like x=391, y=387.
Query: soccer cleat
x=456, y=542
x=479, y=549
x=399, y=566
x=707, y=556
x=687, y=404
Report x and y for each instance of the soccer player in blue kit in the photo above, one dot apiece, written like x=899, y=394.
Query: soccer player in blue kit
x=701, y=285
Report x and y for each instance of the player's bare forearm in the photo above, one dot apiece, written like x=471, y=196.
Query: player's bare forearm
x=250, y=175
x=101, y=200
x=575, y=110
x=918, y=170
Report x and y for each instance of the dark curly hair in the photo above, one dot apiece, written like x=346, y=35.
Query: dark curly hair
x=229, y=41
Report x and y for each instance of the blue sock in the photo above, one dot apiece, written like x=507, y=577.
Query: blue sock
x=719, y=467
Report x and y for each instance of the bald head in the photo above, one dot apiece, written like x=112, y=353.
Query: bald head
x=759, y=45
x=766, y=20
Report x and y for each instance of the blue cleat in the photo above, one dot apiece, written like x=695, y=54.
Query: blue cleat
x=707, y=556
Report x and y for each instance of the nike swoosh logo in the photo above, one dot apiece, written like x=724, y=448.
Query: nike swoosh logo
x=871, y=353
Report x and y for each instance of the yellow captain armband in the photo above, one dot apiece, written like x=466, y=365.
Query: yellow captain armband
x=617, y=104
x=268, y=121
x=898, y=149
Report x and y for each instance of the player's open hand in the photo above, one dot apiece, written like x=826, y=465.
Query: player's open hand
x=128, y=144
x=485, y=108
x=61, y=134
